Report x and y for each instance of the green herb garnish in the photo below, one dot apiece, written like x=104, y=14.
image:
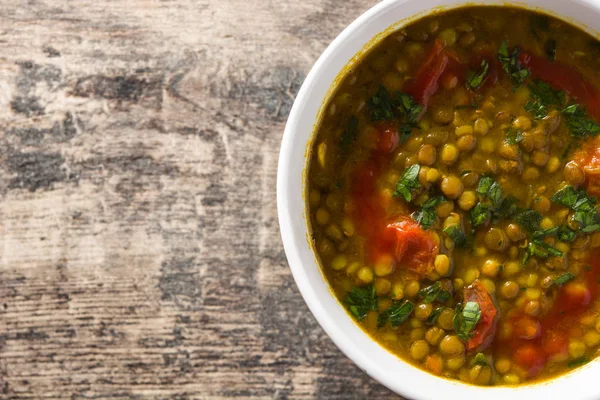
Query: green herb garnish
x=380, y=105
x=383, y=106
x=396, y=314
x=562, y=233
x=568, y=196
x=528, y=219
x=480, y=359
x=458, y=236
x=539, y=249
x=576, y=119
x=433, y=317
x=565, y=234
x=542, y=233
x=475, y=79
x=578, y=361
x=510, y=64
x=465, y=319
x=507, y=209
x=405, y=132
x=408, y=107
x=578, y=122
x=480, y=214
x=433, y=293
x=514, y=136
x=584, y=206
x=544, y=96
x=360, y=301
x=408, y=182
x=564, y=278
x=427, y=216
x=491, y=189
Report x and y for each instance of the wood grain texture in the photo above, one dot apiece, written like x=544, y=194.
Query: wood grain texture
x=140, y=255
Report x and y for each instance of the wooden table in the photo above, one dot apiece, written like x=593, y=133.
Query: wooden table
x=139, y=245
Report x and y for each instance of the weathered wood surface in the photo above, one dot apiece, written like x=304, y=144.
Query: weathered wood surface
x=140, y=254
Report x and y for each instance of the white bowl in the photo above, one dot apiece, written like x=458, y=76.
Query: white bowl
x=380, y=364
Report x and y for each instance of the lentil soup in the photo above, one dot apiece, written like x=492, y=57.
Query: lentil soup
x=451, y=191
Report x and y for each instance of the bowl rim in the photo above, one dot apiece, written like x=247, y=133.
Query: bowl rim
x=293, y=163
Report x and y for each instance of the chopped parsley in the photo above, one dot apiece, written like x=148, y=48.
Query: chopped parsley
x=480, y=214
x=564, y=278
x=458, y=236
x=528, y=219
x=578, y=122
x=433, y=293
x=480, y=359
x=510, y=64
x=409, y=181
x=475, y=79
x=539, y=249
x=584, y=206
x=405, y=132
x=514, y=136
x=491, y=189
x=545, y=232
x=396, y=314
x=507, y=209
x=544, y=96
x=383, y=106
x=465, y=319
x=435, y=314
x=578, y=362
x=568, y=196
x=409, y=107
x=427, y=216
x=360, y=301
x=380, y=105
x=565, y=234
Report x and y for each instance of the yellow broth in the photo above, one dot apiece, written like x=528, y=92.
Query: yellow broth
x=451, y=195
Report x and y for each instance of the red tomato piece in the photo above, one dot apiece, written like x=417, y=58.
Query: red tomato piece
x=426, y=82
x=530, y=357
x=564, y=77
x=485, y=329
x=388, y=138
x=588, y=157
x=415, y=247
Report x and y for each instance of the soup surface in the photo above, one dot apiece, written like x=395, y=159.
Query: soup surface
x=452, y=195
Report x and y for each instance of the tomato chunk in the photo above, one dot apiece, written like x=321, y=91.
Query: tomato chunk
x=428, y=76
x=415, y=247
x=485, y=329
x=588, y=157
x=388, y=138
